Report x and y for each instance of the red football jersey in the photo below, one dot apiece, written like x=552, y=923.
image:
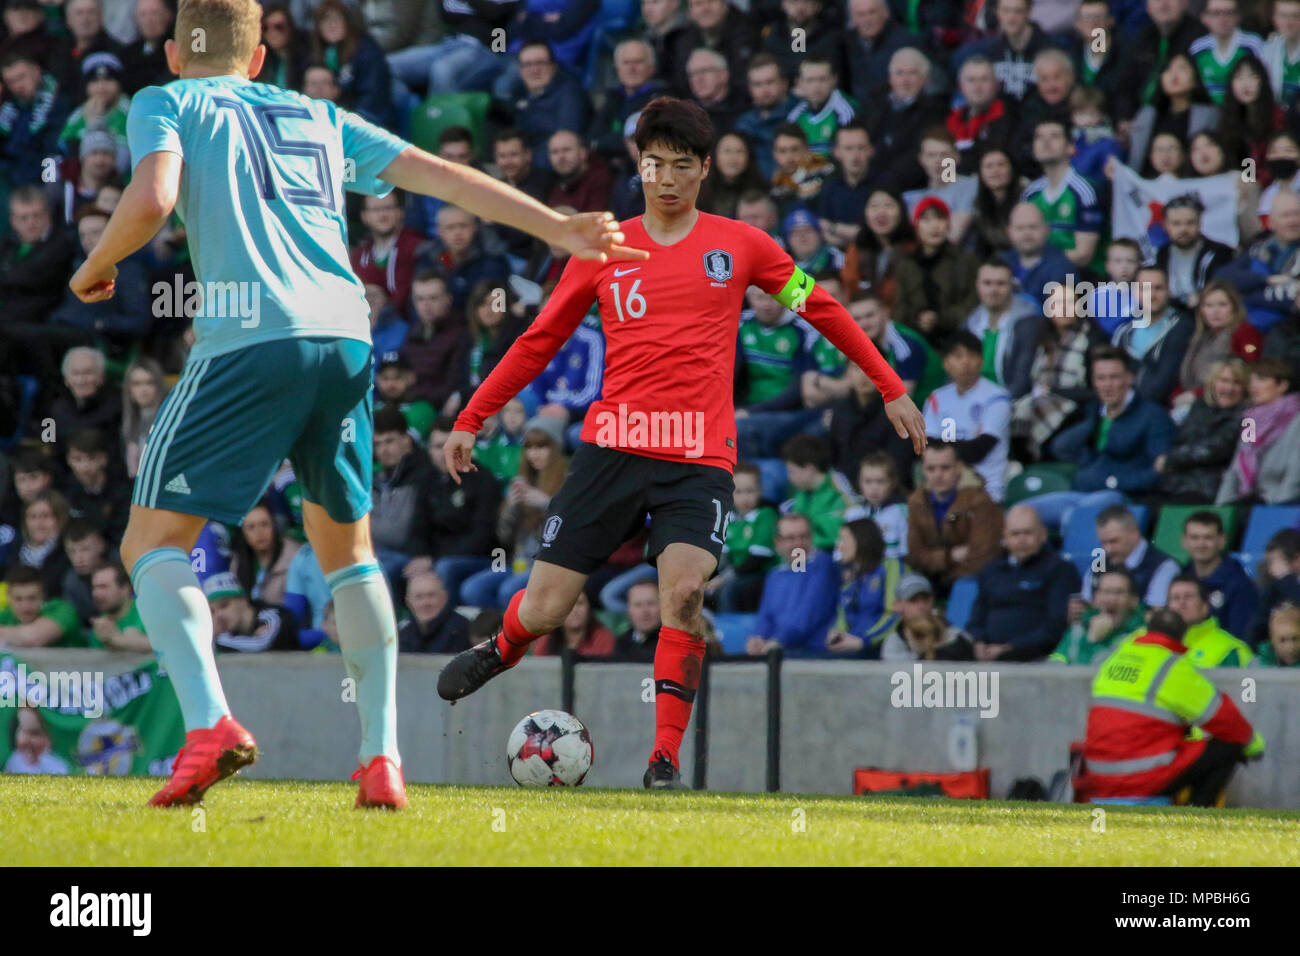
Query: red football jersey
x=671, y=325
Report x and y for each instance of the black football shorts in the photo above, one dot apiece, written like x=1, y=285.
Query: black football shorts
x=608, y=494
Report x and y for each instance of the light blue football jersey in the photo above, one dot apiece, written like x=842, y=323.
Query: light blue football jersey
x=261, y=197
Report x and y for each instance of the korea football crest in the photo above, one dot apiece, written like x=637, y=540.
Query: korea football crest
x=717, y=265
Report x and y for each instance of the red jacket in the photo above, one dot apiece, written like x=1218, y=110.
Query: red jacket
x=396, y=274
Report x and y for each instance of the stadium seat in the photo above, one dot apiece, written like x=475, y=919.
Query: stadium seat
x=1168, y=535
x=733, y=630
x=28, y=386
x=1264, y=522
x=775, y=480
x=441, y=110
x=961, y=601
x=1036, y=480
x=1081, y=535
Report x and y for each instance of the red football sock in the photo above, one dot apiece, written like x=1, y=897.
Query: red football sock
x=513, y=641
x=677, y=675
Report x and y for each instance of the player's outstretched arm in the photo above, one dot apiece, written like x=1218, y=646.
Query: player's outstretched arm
x=143, y=209
x=592, y=235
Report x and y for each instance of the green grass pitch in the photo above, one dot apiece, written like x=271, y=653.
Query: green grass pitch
x=66, y=821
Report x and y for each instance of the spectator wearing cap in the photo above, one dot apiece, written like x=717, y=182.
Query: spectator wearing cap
x=1115, y=612
x=1022, y=603
x=635, y=66
x=1157, y=339
x=769, y=94
x=804, y=241
x=938, y=157
x=899, y=122
x=913, y=601
x=582, y=181
x=434, y=626
x=144, y=58
x=972, y=412
x=99, y=166
x=1189, y=259
x=936, y=282
x=86, y=36
x=104, y=105
x=546, y=99
x=800, y=172
x=247, y=625
x=31, y=118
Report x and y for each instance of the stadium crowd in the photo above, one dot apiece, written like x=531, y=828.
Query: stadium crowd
x=1113, y=410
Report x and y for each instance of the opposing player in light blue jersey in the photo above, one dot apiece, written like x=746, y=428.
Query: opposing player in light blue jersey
x=281, y=361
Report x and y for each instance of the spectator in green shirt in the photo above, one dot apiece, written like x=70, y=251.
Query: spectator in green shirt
x=1116, y=612
x=117, y=626
x=1283, y=647
x=501, y=442
x=821, y=493
x=750, y=550
x=393, y=383
x=32, y=621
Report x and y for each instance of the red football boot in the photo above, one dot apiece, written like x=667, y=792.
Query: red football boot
x=381, y=784
x=207, y=757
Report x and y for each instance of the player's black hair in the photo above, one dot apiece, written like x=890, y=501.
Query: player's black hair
x=1205, y=517
x=1167, y=622
x=807, y=450
x=680, y=125
x=389, y=420
x=961, y=339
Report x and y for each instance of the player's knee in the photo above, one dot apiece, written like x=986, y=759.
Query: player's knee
x=685, y=597
x=541, y=613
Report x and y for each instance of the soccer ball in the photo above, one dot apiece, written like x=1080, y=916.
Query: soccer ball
x=549, y=749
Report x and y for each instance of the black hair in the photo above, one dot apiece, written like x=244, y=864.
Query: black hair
x=961, y=339
x=808, y=450
x=1210, y=518
x=680, y=125
x=388, y=420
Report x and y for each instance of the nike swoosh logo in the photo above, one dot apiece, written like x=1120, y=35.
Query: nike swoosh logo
x=623, y=272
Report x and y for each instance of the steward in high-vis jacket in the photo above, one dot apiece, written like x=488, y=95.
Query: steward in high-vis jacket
x=1145, y=698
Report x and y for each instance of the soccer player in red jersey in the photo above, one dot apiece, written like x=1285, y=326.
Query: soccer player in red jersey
x=662, y=439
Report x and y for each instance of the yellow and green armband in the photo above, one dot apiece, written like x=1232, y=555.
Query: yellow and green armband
x=795, y=292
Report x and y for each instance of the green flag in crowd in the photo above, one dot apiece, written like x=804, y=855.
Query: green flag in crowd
x=86, y=722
